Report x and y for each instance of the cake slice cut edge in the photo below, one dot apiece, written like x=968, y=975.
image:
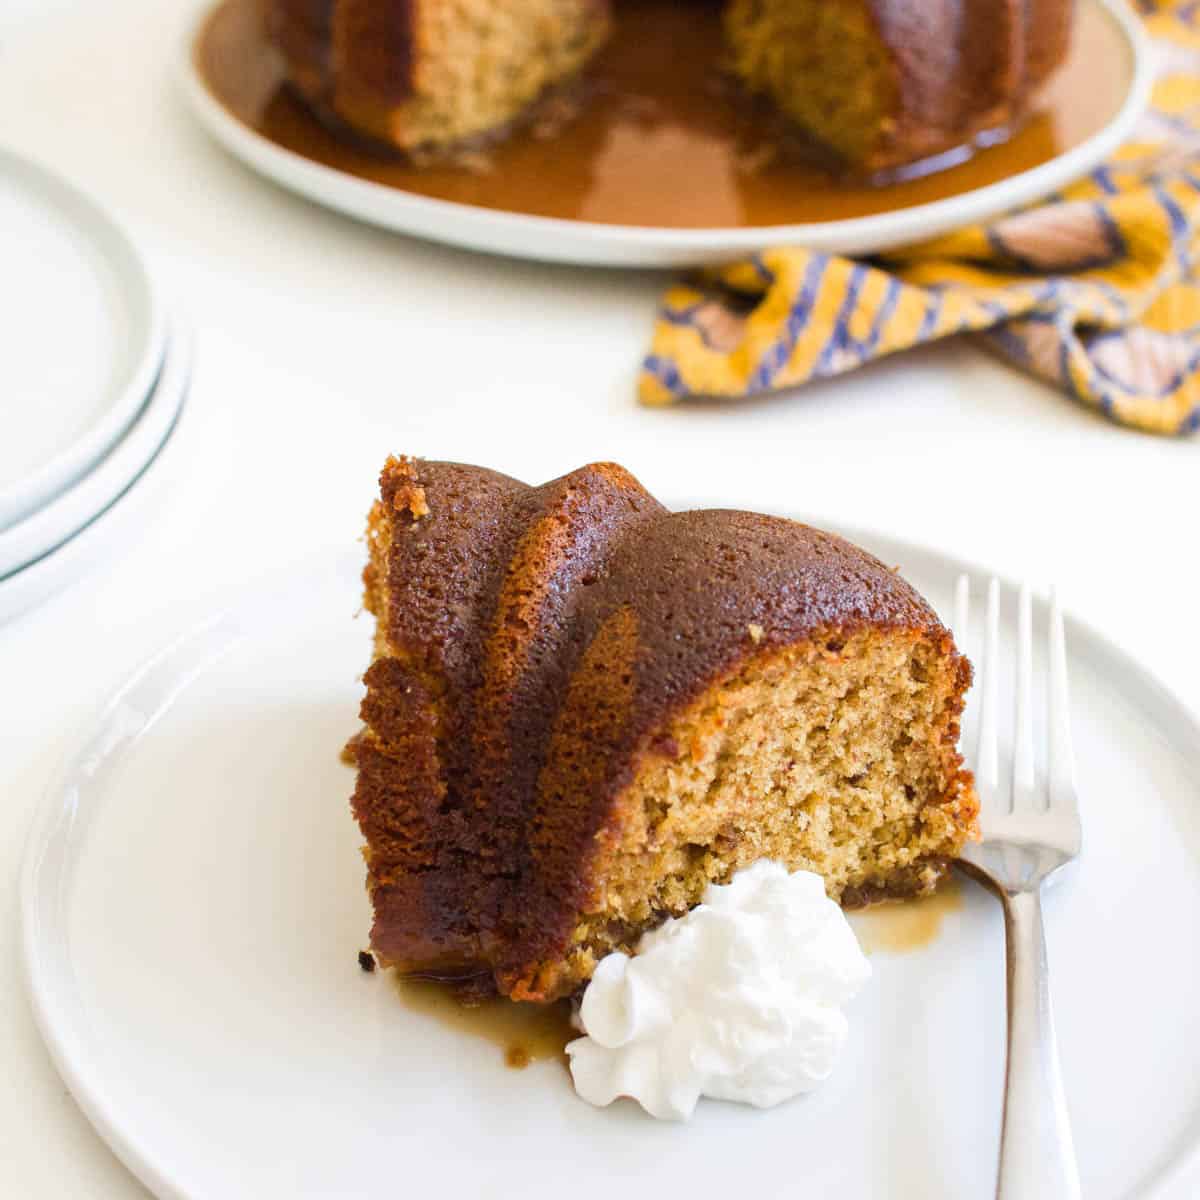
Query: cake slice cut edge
x=836, y=756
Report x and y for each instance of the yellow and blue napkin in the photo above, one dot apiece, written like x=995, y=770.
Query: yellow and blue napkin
x=1096, y=290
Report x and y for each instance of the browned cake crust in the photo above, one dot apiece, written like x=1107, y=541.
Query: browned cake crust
x=533, y=646
x=362, y=45
x=964, y=67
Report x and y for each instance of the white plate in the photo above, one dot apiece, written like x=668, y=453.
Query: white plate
x=46, y=529
x=105, y=529
x=193, y=902
x=554, y=240
x=83, y=335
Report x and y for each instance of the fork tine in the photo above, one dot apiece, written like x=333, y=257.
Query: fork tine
x=1061, y=755
x=1023, y=775
x=968, y=723
x=962, y=610
x=986, y=758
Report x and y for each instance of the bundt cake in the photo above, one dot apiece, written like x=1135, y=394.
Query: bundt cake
x=582, y=709
x=882, y=83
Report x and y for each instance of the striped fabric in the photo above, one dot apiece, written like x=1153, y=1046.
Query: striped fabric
x=1095, y=290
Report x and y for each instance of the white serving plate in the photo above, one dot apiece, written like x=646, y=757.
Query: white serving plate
x=103, y=532
x=192, y=905
x=43, y=531
x=588, y=244
x=84, y=335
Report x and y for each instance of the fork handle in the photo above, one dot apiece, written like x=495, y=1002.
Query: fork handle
x=1037, y=1155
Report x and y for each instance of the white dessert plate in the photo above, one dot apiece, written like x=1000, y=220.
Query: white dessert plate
x=129, y=489
x=192, y=903
x=84, y=335
x=550, y=239
x=48, y=527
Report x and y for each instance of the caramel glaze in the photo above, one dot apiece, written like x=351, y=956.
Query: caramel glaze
x=524, y=1033
x=529, y=1033
x=661, y=144
x=891, y=927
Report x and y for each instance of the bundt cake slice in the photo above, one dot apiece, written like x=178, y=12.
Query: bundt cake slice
x=583, y=709
x=418, y=74
x=887, y=83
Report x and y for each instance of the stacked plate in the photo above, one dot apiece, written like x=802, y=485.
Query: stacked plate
x=93, y=379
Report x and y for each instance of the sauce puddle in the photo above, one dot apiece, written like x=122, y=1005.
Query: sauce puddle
x=897, y=927
x=523, y=1033
x=658, y=140
x=530, y=1033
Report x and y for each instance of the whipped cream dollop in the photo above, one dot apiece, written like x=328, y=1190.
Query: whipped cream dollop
x=738, y=1000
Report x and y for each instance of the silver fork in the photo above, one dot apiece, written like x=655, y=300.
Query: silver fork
x=1030, y=829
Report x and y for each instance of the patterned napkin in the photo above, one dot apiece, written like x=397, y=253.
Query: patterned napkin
x=1096, y=290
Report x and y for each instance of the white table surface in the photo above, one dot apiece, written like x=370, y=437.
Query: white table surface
x=323, y=345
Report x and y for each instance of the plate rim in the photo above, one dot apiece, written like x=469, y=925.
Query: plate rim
x=1179, y=723
x=107, y=233
x=75, y=554
x=47, y=529
x=589, y=243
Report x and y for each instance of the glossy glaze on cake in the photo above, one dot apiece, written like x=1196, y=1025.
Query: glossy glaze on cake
x=558, y=674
